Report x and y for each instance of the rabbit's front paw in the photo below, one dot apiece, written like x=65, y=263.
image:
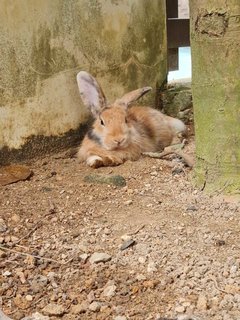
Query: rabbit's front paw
x=113, y=161
x=95, y=161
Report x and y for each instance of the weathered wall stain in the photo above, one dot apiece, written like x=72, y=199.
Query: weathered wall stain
x=212, y=23
x=44, y=44
x=39, y=146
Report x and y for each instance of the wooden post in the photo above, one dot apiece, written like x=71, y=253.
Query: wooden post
x=215, y=42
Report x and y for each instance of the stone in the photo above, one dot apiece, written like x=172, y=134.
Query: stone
x=192, y=208
x=128, y=202
x=15, y=218
x=3, y=225
x=215, y=303
x=109, y=291
x=84, y=257
x=95, y=306
x=14, y=239
x=21, y=302
x=202, y=303
x=80, y=308
x=186, y=317
x=127, y=244
x=151, y=267
x=177, y=170
x=180, y=309
x=29, y=297
x=2, y=253
x=53, y=309
x=104, y=309
x=140, y=277
x=36, y=316
x=107, y=231
x=91, y=296
x=14, y=173
x=142, y=249
x=7, y=239
x=37, y=286
x=97, y=257
x=220, y=243
x=120, y=318
x=126, y=237
x=142, y=260
x=150, y=283
x=82, y=247
x=119, y=309
x=232, y=289
x=177, y=101
x=115, y=180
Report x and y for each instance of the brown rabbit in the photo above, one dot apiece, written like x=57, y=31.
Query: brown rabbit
x=120, y=132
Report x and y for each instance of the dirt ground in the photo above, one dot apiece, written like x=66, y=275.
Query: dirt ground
x=183, y=255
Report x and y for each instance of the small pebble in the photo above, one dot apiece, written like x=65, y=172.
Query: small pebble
x=142, y=260
x=128, y=202
x=84, y=257
x=202, y=303
x=29, y=297
x=97, y=257
x=36, y=316
x=126, y=237
x=80, y=308
x=127, y=244
x=151, y=267
x=3, y=225
x=95, y=306
x=192, y=208
x=109, y=291
x=53, y=309
x=220, y=243
x=180, y=309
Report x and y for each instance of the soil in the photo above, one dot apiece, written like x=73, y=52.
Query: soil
x=183, y=255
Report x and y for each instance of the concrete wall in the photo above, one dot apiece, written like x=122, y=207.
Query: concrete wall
x=43, y=44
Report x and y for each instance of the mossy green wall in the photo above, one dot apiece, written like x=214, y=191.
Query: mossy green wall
x=215, y=41
x=43, y=44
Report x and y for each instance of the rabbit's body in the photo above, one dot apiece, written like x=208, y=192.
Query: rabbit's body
x=120, y=133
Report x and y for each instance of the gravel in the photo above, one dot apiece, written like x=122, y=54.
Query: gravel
x=62, y=237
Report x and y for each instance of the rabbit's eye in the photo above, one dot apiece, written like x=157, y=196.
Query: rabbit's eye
x=126, y=120
x=102, y=122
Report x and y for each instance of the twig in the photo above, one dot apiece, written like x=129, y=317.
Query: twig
x=38, y=257
x=29, y=233
x=188, y=159
x=137, y=230
x=32, y=255
x=37, y=224
x=3, y=264
x=169, y=150
x=36, y=302
x=217, y=287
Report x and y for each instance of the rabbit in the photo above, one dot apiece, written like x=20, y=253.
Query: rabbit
x=120, y=132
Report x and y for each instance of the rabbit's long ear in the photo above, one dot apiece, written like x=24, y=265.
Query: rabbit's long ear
x=91, y=93
x=132, y=96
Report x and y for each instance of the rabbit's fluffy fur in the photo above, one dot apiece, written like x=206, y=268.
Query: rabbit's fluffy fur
x=120, y=132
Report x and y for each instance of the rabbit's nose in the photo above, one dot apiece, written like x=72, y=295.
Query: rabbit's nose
x=118, y=141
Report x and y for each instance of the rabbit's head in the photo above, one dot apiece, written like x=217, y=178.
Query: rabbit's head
x=111, y=127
